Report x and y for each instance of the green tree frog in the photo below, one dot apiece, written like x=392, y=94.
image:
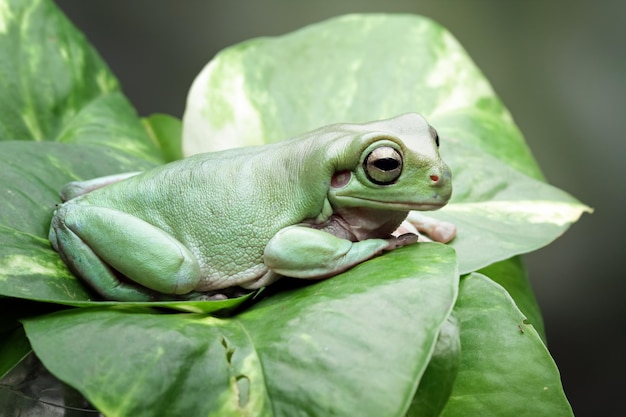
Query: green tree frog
x=310, y=207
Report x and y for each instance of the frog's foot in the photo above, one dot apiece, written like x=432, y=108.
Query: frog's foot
x=435, y=230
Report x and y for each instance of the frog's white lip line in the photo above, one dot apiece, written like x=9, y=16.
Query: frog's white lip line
x=403, y=206
x=410, y=206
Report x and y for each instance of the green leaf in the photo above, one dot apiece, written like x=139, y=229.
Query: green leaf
x=356, y=344
x=112, y=122
x=354, y=68
x=13, y=348
x=436, y=384
x=360, y=68
x=166, y=131
x=372, y=341
x=55, y=89
x=511, y=274
x=32, y=174
x=506, y=369
x=48, y=71
x=500, y=212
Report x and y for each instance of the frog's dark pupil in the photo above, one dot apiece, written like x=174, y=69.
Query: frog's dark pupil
x=386, y=164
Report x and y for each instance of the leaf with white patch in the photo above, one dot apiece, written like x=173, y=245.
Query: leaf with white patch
x=360, y=68
x=500, y=212
x=356, y=344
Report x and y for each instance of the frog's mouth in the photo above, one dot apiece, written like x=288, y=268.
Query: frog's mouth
x=423, y=198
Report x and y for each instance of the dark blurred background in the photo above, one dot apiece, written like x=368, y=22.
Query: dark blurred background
x=559, y=67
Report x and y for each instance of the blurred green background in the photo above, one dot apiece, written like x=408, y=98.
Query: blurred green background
x=560, y=68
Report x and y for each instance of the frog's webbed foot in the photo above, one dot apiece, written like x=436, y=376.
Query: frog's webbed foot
x=427, y=228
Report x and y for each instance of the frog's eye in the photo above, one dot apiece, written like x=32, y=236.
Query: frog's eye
x=383, y=165
x=434, y=135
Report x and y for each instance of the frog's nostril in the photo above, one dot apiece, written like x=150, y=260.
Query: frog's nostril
x=439, y=176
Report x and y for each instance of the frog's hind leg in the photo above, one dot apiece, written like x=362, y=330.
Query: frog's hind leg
x=98, y=243
x=77, y=188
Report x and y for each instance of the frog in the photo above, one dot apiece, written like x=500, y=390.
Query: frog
x=215, y=224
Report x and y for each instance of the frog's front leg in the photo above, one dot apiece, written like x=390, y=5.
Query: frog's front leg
x=303, y=252
x=100, y=243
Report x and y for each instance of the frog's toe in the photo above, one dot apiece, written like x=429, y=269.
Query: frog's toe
x=443, y=232
x=437, y=230
x=406, y=239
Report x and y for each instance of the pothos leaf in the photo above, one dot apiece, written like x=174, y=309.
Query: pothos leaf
x=359, y=68
x=506, y=369
x=356, y=344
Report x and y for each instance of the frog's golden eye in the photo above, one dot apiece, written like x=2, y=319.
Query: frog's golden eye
x=383, y=165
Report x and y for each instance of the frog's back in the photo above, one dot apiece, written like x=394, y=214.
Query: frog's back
x=223, y=206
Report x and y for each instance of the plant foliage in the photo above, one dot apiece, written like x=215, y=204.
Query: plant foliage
x=426, y=330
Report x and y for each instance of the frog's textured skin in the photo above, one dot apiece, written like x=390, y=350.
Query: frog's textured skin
x=309, y=207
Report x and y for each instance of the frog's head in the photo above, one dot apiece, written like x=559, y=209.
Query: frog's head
x=392, y=164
